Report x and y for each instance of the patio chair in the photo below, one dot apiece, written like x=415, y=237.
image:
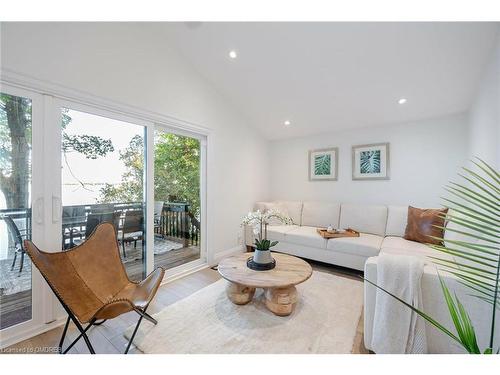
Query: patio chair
x=18, y=241
x=93, y=220
x=132, y=229
x=91, y=283
x=158, y=210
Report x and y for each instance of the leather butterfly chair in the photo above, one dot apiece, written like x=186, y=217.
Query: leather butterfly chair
x=91, y=283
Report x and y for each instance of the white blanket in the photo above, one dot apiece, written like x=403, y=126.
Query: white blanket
x=396, y=328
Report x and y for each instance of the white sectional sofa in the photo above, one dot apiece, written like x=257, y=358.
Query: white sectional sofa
x=302, y=239
x=381, y=231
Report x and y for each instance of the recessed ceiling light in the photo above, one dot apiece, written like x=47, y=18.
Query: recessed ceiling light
x=287, y=123
x=402, y=101
x=233, y=54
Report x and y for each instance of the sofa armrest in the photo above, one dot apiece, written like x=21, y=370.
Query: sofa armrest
x=434, y=306
x=369, y=300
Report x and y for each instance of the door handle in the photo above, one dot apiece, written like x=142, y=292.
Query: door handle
x=56, y=209
x=39, y=211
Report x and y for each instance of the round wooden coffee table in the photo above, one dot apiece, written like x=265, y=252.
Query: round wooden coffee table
x=278, y=283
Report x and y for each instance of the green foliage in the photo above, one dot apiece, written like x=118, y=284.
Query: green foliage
x=322, y=164
x=461, y=325
x=176, y=166
x=132, y=185
x=474, y=214
x=461, y=321
x=18, y=110
x=264, y=244
x=15, y=128
x=91, y=146
x=370, y=161
x=177, y=169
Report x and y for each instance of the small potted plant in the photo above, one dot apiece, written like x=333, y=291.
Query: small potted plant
x=262, y=259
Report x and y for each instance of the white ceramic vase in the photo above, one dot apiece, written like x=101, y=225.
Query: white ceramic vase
x=262, y=256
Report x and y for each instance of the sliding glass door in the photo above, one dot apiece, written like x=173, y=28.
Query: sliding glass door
x=15, y=209
x=103, y=181
x=66, y=167
x=177, y=216
x=20, y=182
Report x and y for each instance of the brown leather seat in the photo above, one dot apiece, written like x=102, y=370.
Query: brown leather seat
x=91, y=282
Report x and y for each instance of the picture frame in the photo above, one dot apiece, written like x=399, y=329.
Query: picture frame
x=323, y=164
x=371, y=161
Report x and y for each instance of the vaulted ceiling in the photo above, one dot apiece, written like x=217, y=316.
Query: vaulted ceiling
x=330, y=76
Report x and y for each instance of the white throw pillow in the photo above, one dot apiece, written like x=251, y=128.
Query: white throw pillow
x=294, y=210
x=364, y=218
x=320, y=214
x=397, y=219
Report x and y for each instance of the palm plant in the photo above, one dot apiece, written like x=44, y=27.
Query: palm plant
x=474, y=256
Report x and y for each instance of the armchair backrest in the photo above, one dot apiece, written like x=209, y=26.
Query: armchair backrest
x=86, y=276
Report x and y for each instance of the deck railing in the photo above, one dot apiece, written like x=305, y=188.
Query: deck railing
x=176, y=222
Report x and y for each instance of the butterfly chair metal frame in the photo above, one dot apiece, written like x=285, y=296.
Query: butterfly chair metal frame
x=91, y=297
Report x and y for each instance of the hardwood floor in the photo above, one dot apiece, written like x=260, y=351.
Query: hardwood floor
x=108, y=338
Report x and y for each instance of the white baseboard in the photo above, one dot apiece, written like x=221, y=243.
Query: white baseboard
x=220, y=255
x=183, y=273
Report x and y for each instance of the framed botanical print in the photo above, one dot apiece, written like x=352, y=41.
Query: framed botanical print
x=323, y=164
x=370, y=162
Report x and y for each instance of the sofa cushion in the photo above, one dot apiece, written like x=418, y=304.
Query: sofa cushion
x=400, y=246
x=424, y=224
x=261, y=206
x=397, y=217
x=266, y=206
x=320, y=214
x=365, y=245
x=294, y=210
x=307, y=236
x=451, y=234
x=281, y=208
x=277, y=232
x=364, y=218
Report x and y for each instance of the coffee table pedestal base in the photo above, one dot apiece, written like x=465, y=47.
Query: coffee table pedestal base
x=281, y=301
x=239, y=294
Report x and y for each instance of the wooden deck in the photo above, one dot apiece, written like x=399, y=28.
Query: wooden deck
x=167, y=260
x=16, y=308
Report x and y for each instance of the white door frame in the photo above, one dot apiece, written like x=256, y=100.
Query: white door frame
x=49, y=98
x=41, y=306
x=204, y=256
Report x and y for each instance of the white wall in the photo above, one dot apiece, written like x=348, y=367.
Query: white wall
x=125, y=63
x=484, y=130
x=424, y=156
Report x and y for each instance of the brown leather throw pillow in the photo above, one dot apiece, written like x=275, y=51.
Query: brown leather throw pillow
x=421, y=223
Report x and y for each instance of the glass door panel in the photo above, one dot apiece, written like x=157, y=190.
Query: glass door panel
x=103, y=181
x=15, y=211
x=177, y=206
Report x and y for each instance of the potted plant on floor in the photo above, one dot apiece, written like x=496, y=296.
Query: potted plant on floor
x=474, y=211
x=262, y=259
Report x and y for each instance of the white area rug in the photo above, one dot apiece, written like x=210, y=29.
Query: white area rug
x=324, y=321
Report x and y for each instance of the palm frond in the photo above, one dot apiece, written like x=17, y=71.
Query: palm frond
x=475, y=261
x=455, y=204
x=463, y=325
